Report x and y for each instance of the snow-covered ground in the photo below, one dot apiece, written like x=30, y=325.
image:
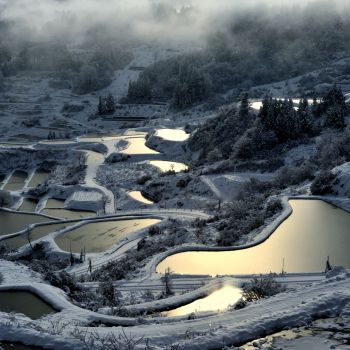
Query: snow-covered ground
x=105, y=189
x=329, y=298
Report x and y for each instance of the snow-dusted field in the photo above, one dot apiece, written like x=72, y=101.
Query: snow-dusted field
x=122, y=169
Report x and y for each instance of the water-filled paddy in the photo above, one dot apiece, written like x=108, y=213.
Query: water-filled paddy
x=68, y=214
x=28, y=204
x=35, y=234
x=54, y=203
x=137, y=146
x=219, y=300
x=314, y=231
x=38, y=178
x=55, y=208
x=137, y=195
x=14, y=222
x=25, y=303
x=172, y=134
x=101, y=236
x=165, y=166
x=16, y=181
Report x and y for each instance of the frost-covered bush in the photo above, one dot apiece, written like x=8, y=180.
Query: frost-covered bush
x=332, y=150
x=274, y=206
x=247, y=212
x=114, y=270
x=110, y=297
x=142, y=180
x=117, y=157
x=260, y=288
x=219, y=134
x=323, y=183
x=294, y=175
x=6, y=199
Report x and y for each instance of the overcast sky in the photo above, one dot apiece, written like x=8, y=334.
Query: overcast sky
x=43, y=19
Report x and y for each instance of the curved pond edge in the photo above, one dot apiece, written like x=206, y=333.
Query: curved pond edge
x=40, y=291
x=176, y=301
x=51, y=238
x=324, y=304
x=58, y=301
x=260, y=238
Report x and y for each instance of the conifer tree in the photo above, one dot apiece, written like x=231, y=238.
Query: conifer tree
x=304, y=117
x=334, y=108
x=110, y=104
x=244, y=106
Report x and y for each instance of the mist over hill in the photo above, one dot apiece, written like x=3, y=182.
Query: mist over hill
x=77, y=21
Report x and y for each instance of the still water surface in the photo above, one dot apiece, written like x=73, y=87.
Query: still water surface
x=137, y=146
x=172, y=134
x=25, y=303
x=35, y=234
x=28, y=204
x=14, y=222
x=314, y=231
x=16, y=181
x=38, y=178
x=101, y=236
x=219, y=300
x=137, y=195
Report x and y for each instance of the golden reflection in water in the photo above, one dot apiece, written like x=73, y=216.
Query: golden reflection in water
x=165, y=166
x=173, y=134
x=137, y=195
x=314, y=231
x=101, y=236
x=137, y=146
x=219, y=300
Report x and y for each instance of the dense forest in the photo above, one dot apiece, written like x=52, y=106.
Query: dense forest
x=240, y=135
x=258, y=47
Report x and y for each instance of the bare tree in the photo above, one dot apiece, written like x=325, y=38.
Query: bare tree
x=28, y=232
x=167, y=282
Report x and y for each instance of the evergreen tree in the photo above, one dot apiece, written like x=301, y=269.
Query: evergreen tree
x=334, y=97
x=110, y=104
x=316, y=108
x=304, y=117
x=106, y=105
x=244, y=106
x=139, y=91
x=101, y=106
x=334, y=108
x=107, y=291
x=192, y=86
x=335, y=117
